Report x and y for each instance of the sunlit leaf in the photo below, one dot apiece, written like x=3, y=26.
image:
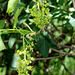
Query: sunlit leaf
x=72, y=22
x=11, y=6
x=17, y=15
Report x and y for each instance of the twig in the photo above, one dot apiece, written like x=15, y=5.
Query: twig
x=49, y=58
x=38, y=31
x=50, y=33
x=58, y=44
x=59, y=30
x=16, y=41
x=73, y=3
x=62, y=52
x=52, y=57
x=65, y=46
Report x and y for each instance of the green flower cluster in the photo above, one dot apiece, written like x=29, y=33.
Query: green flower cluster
x=24, y=63
x=40, y=13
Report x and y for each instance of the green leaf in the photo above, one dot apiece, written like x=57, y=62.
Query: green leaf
x=72, y=22
x=43, y=45
x=61, y=2
x=12, y=40
x=50, y=40
x=58, y=13
x=17, y=15
x=68, y=38
x=2, y=46
x=14, y=61
x=1, y=1
x=2, y=23
x=20, y=4
x=11, y=6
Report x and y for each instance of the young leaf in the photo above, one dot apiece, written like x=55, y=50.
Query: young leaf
x=11, y=6
x=16, y=15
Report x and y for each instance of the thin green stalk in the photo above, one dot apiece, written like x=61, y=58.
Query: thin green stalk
x=24, y=49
